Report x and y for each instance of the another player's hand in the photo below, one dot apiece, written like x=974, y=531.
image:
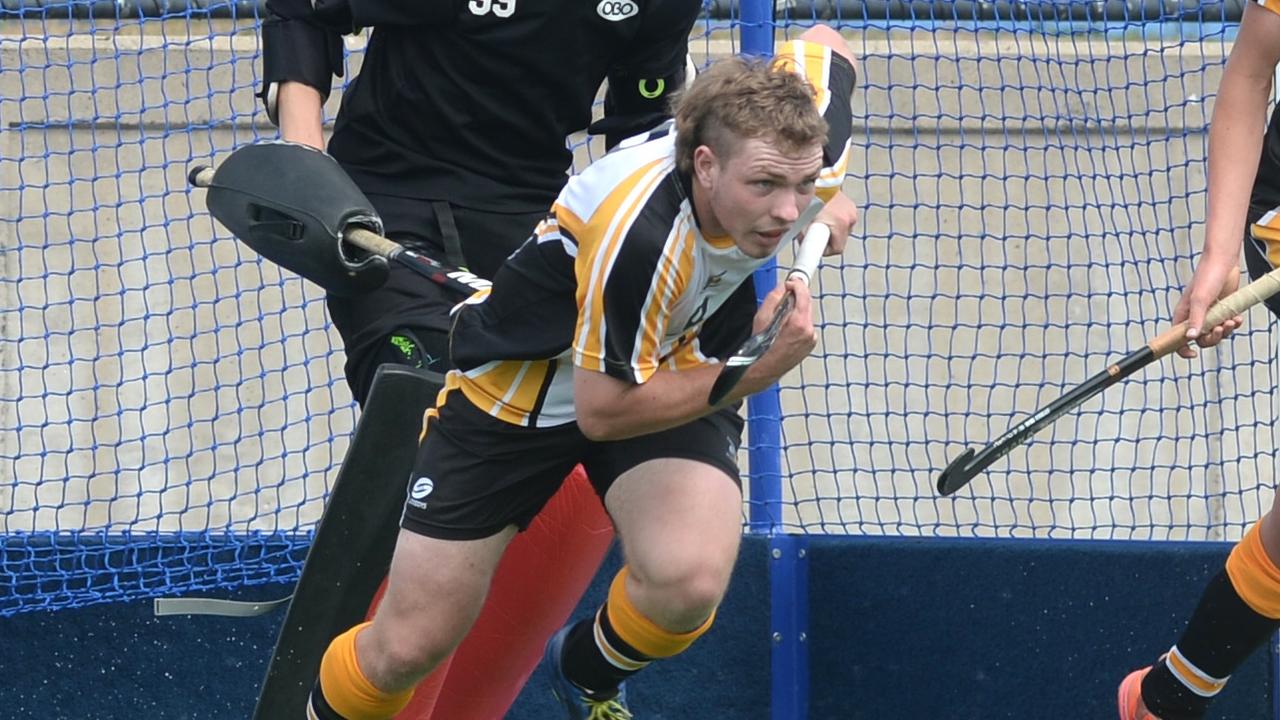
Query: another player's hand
x=1215, y=278
x=840, y=214
x=796, y=337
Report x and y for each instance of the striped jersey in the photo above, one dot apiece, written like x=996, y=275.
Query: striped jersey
x=619, y=278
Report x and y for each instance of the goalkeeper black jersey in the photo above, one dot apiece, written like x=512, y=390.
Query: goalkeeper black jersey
x=470, y=101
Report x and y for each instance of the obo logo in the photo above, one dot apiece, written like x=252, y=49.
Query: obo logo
x=617, y=10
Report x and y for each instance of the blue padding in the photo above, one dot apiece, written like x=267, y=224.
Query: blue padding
x=115, y=661
x=946, y=630
x=970, y=629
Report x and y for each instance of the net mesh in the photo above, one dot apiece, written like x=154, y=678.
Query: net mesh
x=1031, y=178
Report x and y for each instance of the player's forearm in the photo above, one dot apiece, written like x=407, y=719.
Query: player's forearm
x=1235, y=144
x=297, y=52
x=610, y=409
x=300, y=114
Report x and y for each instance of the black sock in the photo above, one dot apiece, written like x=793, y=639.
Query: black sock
x=1222, y=633
x=320, y=706
x=586, y=664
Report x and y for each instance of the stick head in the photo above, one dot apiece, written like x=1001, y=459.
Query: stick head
x=808, y=255
x=726, y=381
x=957, y=474
x=752, y=350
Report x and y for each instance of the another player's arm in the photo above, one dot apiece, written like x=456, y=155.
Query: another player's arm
x=300, y=57
x=299, y=114
x=823, y=57
x=1237, y=130
x=612, y=408
x=1236, y=135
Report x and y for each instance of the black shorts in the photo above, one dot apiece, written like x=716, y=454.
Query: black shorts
x=410, y=304
x=475, y=474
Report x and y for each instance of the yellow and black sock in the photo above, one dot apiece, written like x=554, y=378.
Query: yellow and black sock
x=342, y=691
x=1238, y=611
x=602, y=651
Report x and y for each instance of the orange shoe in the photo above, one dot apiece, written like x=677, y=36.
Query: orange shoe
x=1130, y=697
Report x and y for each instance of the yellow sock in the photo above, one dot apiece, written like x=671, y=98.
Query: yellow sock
x=1254, y=576
x=346, y=689
x=642, y=633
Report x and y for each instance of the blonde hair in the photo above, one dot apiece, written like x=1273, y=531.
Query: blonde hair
x=739, y=99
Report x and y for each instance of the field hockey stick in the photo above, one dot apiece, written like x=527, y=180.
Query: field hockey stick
x=963, y=469
x=807, y=258
x=459, y=281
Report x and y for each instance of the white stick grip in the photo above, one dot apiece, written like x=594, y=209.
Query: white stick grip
x=810, y=252
x=1236, y=303
x=1241, y=300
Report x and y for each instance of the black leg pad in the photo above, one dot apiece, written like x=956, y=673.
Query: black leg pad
x=355, y=539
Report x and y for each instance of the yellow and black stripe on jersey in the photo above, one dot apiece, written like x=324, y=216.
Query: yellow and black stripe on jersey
x=619, y=279
x=833, y=79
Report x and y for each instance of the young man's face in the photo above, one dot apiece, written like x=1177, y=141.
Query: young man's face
x=754, y=194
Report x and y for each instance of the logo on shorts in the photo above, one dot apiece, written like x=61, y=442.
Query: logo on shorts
x=422, y=487
x=731, y=451
x=617, y=10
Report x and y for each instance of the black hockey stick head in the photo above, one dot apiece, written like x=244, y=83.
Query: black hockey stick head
x=726, y=381
x=958, y=473
x=752, y=350
x=808, y=255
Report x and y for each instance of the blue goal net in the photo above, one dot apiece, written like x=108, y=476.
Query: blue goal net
x=1031, y=180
